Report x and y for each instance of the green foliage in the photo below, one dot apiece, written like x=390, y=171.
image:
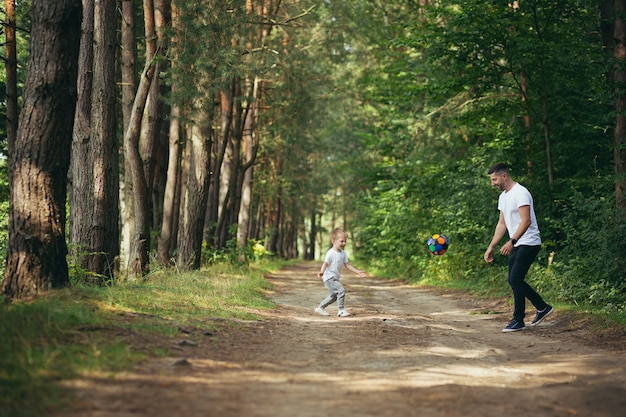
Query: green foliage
x=466, y=85
x=590, y=254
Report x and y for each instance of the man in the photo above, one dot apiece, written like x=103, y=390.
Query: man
x=517, y=217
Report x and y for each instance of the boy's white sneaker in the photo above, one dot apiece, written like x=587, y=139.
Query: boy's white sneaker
x=342, y=313
x=321, y=311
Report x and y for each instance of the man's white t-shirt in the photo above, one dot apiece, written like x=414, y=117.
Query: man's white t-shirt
x=509, y=203
x=335, y=261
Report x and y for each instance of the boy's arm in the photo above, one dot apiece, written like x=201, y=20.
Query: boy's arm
x=322, y=270
x=357, y=271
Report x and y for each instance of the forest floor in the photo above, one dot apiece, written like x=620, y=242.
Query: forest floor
x=404, y=351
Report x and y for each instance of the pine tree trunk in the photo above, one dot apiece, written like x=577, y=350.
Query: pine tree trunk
x=139, y=242
x=250, y=145
x=11, y=74
x=167, y=238
x=213, y=205
x=105, y=156
x=169, y=230
x=81, y=173
x=94, y=208
x=194, y=199
x=36, y=258
x=128, y=60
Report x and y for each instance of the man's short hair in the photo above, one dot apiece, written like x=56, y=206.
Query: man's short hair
x=498, y=168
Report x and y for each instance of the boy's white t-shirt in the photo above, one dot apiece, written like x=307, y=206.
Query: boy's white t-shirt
x=509, y=203
x=335, y=261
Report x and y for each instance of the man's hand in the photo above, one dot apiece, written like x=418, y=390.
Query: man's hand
x=506, y=248
x=488, y=255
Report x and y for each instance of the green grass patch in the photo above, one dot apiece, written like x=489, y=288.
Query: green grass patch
x=81, y=329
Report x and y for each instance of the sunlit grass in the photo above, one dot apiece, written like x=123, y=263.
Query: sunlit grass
x=86, y=328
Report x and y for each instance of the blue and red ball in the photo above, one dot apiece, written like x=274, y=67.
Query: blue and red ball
x=437, y=244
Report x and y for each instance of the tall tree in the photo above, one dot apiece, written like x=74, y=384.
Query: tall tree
x=137, y=259
x=11, y=73
x=194, y=197
x=36, y=259
x=169, y=222
x=128, y=57
x=94, y=207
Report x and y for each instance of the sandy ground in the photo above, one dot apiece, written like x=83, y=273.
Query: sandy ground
x=404, y=352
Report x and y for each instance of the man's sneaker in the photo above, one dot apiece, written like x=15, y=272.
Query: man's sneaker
x=342, y=313
x=542, y=315
x=514, y=326
x=321, y=311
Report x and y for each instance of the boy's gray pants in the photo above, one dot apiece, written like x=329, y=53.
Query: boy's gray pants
x=337, y=293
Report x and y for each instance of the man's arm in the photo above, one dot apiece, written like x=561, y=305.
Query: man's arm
x=498, y=234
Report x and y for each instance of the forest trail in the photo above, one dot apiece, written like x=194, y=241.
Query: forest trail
x=404, y=351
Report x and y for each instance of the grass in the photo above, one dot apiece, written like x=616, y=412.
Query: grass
x=81, y=329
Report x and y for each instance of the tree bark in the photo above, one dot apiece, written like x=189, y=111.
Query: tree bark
x=167, y=237
x=94, y=207
x=250, y=145
x=11, y=75
x=229, y=169
x=140, y=240
x=105, y=233
x=137, y=262
x=36, y=258
x=150, y=144
x=129, y=84
x=194, y=199
x=213, y=205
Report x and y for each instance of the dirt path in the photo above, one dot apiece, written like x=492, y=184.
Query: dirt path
x=403, y=352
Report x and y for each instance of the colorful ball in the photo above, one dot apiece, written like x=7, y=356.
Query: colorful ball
x=437, y=244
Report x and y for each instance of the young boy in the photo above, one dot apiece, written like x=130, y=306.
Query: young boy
x=335, y=259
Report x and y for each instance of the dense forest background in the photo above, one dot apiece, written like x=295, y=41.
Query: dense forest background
x=233, y=129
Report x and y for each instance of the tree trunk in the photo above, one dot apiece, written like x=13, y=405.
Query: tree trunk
x=137, y=262
x=229, y=170
x=140, y=240
x=167, y=237
x=167, y=240
x=36, y=258
x=194, y=199
x=250, y=144
x=11, y=75
x=105, y=233
x=276, y=214
x=81, y=174
x=151, y=145
x=213, y=205
x=310, y=255
x=94, y=208
x=128, y=60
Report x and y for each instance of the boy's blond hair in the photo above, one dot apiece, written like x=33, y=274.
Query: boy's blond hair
x=337, y=232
